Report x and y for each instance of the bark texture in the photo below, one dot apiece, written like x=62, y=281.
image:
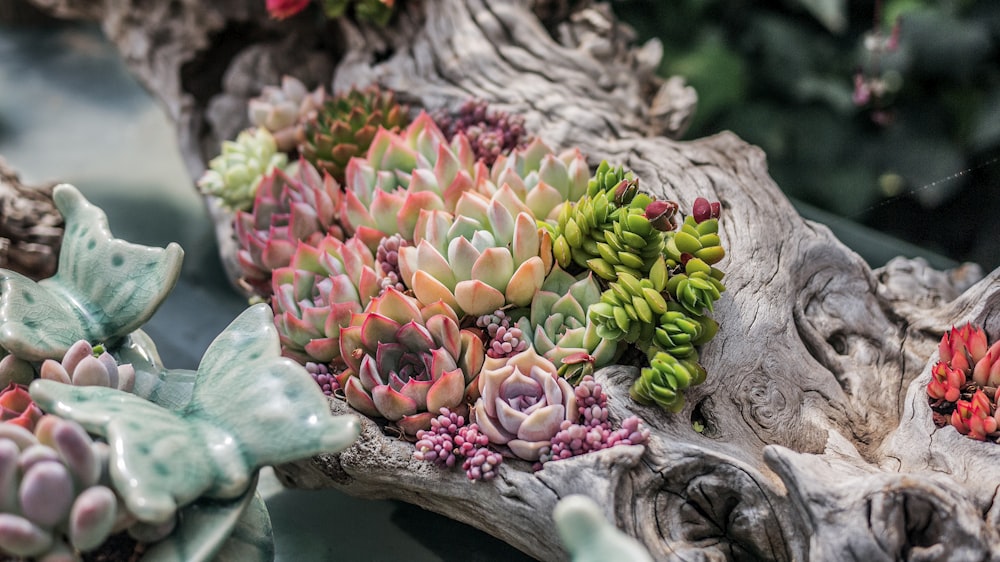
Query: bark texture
x=818, y=440
x=31, y=228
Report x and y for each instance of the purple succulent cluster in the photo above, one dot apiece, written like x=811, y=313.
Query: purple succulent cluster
x=504, y=337
x=323, y=377
x=449, y=440
x=387, y=262
x=593, y=431
x=491, y=133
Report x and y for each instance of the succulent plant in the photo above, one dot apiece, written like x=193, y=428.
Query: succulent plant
x=976, y=417
x=558, y=327
x=631, y=309
x=503, y=337
x=83, y=365
x=523, y=401
x=592, y=429
x=963, y=347
x=54, y=500
x=664, y=381
x=317, y=295
x=282, y=109
x=477, y=261
x=607, y=230
x=698, y=236
x=293, y=206
x=17, y=407
x=387, y=262
x=283, y=9
x=946, y=382
x=234, y=175
x=543, y=180
x=450, y=441
x=345, y=126
x=491, y=133
x=402, y=174
x=406, y=363
x=378, y=12
x=697, y=287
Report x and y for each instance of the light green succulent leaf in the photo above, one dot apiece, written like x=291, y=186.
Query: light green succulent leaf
x=103, y=289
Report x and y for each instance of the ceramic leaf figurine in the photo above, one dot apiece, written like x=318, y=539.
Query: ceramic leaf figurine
x=162, y=459
x=104, y=287
x=589, y=537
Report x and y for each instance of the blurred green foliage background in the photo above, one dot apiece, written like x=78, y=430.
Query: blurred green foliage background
x=781, y=74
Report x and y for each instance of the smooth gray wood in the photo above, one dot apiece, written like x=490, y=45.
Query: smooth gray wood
x=818, y=443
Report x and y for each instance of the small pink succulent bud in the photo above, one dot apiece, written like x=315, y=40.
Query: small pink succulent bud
x=282, y=9
x=702, y=210
x=660, y=214
x=625, y=191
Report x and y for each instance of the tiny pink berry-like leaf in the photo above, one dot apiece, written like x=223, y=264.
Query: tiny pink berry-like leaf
x=283, y=9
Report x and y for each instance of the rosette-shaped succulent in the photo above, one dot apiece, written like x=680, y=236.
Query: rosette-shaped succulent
x=541, y=179
x=83, y=366
x=697, y=288
x=316, y=296
x=406, y=363
x=987, y=369
x=477, y=261
x=946, y=382
x=299, y=205
x=402, y=174
x=491, y=133
x=281, y=109
x=698, y=236
x=522, y=403
x=558, y=327
x=17, y=407
x=963, y=347
x=54, y=502
x=234, y=175
x=345, y=125
x=664, y=381
x=976, y=417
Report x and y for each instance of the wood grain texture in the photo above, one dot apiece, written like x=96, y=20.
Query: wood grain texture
x=818, y=443
x=31, y=228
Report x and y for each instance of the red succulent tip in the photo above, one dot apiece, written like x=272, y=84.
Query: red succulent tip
x=661, y=215
x=578, y=357
x=625, y=191
x=282, y=9
x=702, y=210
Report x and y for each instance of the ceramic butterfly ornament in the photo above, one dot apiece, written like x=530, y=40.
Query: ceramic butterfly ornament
x=250, y=407
x=103, y=289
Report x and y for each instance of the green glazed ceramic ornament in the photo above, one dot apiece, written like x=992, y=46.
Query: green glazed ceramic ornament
x=162, y=459
x=103, y=289
x=589, y=537
x=184, y=446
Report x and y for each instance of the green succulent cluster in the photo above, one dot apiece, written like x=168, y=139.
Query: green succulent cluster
x=697, y=239
x=607, y=231
x=664, y=381
x=661, y=284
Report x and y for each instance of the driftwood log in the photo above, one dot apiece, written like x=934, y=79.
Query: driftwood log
x=818, y=440
x=31, y=228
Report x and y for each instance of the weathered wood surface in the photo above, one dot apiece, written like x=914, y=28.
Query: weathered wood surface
x=818, y=442
x=31, y=228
